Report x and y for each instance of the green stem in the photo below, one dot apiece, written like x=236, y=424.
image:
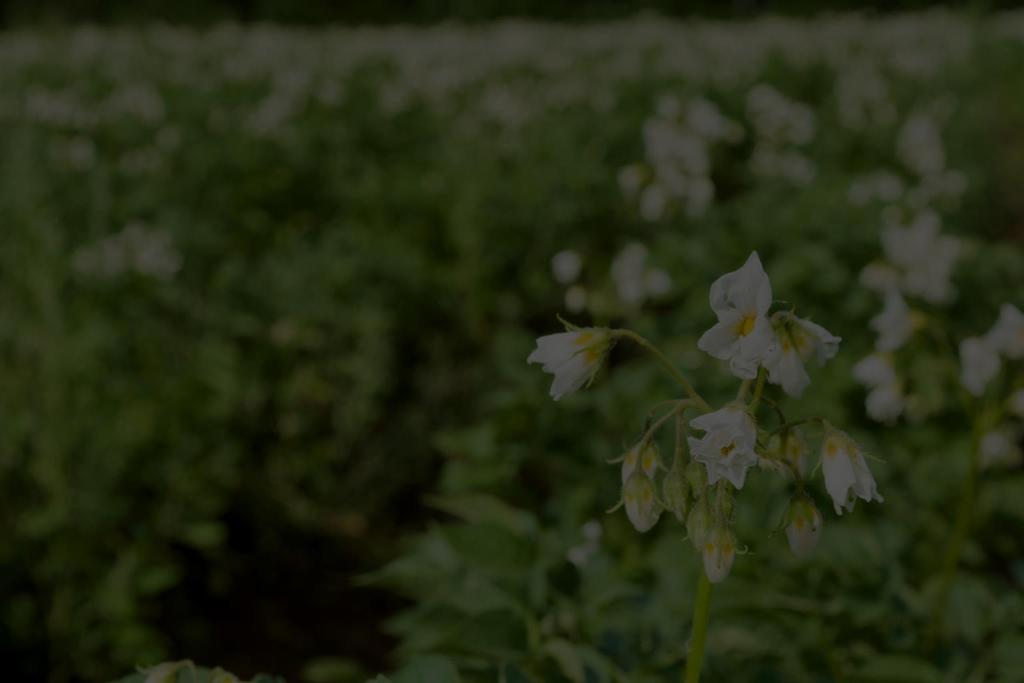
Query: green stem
x=679, y=407
x=701, y=615
x=676, y=375
x=961, y=527
x=758, y=389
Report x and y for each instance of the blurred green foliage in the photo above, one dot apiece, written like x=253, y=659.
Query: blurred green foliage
x=265, y=305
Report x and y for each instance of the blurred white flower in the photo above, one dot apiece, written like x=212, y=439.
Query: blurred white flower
x=999, y=447
x=575, y=299
x=1007, y=335
x=572, y=357
x=798, y=340
x=727, y=447
x=925, y=257
x=581, y=554
x=565, y=266
x=743, y=334
x=847, y=476
x=920, y=145
x=803, y=527
x=885, y=401
x=652, y=202
x=979, y=363
x=659, y=283
x=719, y=553
x=894, y=324
x=629, y=269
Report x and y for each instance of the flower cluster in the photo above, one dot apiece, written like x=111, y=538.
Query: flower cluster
x=716, y=449
x=748, y=338
x=678, y=143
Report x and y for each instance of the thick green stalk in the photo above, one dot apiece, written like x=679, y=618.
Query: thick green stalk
x=701, y=615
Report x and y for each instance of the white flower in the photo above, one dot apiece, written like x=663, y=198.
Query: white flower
x=566, y=265
x=885, y=402
x=1007, y=335
x=727, y=448
x=719, y=552
x=894, y=324
x=798, y=340
x=572, y=357
x=804, y=526
x=847, y=476
x=653, y=201
x=920, y=145
x=164, y=673
x=642, y=505
x=743, y=335
x=1016, y=402
x=979, y=363
x=629, y=269
x=925, y=257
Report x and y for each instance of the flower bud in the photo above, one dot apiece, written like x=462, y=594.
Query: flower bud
x=642, y=506
x=676, y=492
x=698, y=523
x=803, y=526
x=697, y=475
x=644, y=455
x=719, y=552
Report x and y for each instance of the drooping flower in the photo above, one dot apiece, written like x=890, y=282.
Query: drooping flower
x=894, y=324
x=719, y=553
x=572, y=357
x=979, y=363
x=798, y=341
x=803, y=526
x=642, y=507
x=847, y=476
x=727, y=447
x=885, y=401
x=743, y=335
x=1007, y=335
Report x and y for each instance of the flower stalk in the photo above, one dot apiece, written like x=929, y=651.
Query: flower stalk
x=701, y=617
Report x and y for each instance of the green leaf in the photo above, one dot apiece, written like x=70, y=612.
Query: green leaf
x=897, y=669
x=431, y=669
x=567, y=657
